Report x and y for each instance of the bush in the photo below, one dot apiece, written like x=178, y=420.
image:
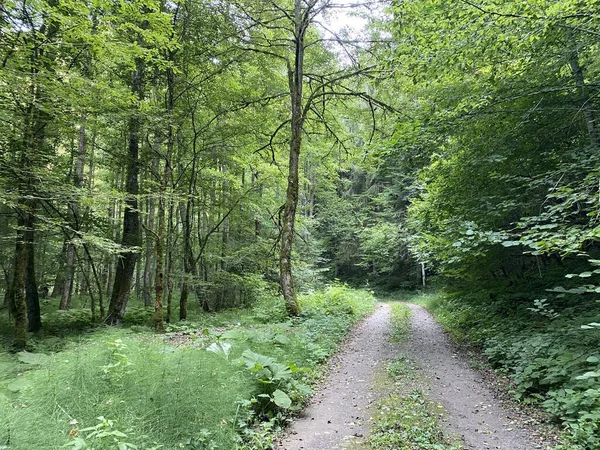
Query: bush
x=337, y=299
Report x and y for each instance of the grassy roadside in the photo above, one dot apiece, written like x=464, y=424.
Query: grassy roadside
x=406, y=419
x=228, y=381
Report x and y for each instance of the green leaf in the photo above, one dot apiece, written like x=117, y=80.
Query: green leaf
x=221, y=349
x=281, y=399
x=588, y=375
x=280, y=371
x=593, y=359
x=20, y=384
x=33, y=358
x=585, y=274
x=236, y=335
x=256, y=361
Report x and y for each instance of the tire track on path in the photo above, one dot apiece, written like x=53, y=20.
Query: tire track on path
x=473, y=411
x=338, y=416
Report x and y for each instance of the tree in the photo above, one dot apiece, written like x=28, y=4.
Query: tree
x=285, y=33
x=150, y=26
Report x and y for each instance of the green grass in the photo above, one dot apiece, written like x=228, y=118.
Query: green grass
x=407, y=422
x=169, y=391
x=400, y=321
x=406, y=419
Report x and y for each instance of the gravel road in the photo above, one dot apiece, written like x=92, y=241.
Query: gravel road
x=473, y=411
x=338, y=416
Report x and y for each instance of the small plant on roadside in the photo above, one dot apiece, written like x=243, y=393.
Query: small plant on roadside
x=277, y=386
x=103, y=436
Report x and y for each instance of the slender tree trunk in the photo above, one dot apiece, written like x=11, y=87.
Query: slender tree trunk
x=295, y=78
x=147, y=286
x=160, y=266
x=65, y=301
x=584, y=97
x=67, y=289
x=185, y=212
x=59, y=280
x=169, y=261
x=131, y=221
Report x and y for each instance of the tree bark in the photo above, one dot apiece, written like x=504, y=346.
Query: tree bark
x=295, y=80
x=131, y=237
x=147, y=285
x=17, y=301
x=185, y=212
x=161, y=265
x=59, y=280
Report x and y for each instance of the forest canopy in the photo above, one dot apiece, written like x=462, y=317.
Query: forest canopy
x=164, y=160
x=162, y=151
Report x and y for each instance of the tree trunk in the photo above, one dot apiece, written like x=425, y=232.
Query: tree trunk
x=160, y=265
x=147, y=286
x=17, y=302
x=169, y=259
x=131, y=219
x=67, y=289
x=65, y=301
x=185, y=212
x=584, y=97
x=59, y=280
x=295, y=78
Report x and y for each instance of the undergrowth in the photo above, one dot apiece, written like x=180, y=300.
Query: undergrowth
x=406, y=419
x=549, y=351
x=225, y=381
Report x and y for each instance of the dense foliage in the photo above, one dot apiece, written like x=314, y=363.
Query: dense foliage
x=499, y=157
x=164, y=156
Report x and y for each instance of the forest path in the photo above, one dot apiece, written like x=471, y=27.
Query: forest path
x=473, y=411
x=339, y=414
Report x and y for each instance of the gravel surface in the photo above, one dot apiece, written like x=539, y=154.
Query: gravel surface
x=338, y=416
x=473, y=411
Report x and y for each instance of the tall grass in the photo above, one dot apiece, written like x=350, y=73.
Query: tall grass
x=158, y=393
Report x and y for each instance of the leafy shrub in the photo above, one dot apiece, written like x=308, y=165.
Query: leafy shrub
x=277, y=387
x=269, y=308
x=59, y=321
x=337, y=299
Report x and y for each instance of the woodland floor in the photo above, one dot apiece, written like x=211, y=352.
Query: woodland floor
x=340, y=415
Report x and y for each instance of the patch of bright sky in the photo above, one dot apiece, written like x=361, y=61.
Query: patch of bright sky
x=351, y=17
x=345, y=24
